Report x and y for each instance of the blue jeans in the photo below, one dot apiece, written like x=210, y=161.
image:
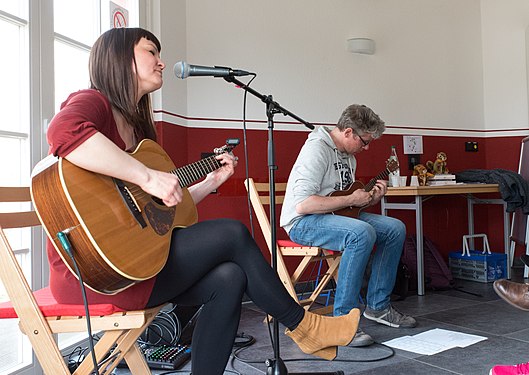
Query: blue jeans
x=355, y=238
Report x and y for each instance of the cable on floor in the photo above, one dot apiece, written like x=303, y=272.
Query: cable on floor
x=391, y=353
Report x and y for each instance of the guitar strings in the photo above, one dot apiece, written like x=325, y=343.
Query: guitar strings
x=194, y=170
x=373, y=181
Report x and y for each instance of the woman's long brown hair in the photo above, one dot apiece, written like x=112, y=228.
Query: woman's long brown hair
x=111, y=72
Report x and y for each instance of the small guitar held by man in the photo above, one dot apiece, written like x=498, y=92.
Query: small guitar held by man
x=351, y=211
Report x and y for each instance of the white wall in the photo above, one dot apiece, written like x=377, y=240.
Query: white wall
x=439, y=64
x=504, y=63
x=168, y=20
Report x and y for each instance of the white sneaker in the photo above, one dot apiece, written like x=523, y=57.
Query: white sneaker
x=361, y=339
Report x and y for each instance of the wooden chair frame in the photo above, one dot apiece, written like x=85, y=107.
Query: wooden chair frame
x=309, y=254
x=120, y=329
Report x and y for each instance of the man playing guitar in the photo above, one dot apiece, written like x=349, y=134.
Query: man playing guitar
x=324, y=169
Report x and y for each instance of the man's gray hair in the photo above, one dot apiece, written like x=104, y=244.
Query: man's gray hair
x=362, y=120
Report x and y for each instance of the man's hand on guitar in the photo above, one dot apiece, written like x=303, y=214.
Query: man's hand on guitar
x=378, y=191
x=360, y=198
x=163, y=185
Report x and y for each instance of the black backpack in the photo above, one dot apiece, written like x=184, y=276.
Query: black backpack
x=437, y=275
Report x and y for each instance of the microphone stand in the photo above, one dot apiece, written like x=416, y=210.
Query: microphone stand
x=275, y=366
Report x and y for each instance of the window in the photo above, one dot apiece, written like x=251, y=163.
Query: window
x=25, y=106
x=15, y=147
x=77, y=24
x=14, y=101
x=76, y=27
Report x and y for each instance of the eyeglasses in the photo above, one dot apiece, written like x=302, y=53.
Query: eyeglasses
x=366, y=143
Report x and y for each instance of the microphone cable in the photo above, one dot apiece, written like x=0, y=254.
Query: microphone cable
x=245, y=143
x=390, y=352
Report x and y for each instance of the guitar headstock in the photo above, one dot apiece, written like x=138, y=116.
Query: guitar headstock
x=392, y=165
x=231, y=143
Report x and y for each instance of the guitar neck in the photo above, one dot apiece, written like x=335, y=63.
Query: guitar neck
x=193, y=172
x=381, y=176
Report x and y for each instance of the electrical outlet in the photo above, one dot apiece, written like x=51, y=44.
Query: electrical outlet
x=471, y=146
x=412, y=144
x=413, y=160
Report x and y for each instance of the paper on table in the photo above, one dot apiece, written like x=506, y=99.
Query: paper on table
x=434, y=341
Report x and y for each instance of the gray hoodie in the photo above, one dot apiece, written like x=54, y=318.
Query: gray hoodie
x=319, y=169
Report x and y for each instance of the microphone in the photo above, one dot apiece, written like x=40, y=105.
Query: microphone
x=184, y=70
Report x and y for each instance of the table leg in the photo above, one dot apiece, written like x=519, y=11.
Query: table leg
x=470, y=216
x=416, y=206
x=420, y=245
x=506, y=240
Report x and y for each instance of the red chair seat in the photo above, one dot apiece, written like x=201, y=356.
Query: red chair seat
x=50, y=307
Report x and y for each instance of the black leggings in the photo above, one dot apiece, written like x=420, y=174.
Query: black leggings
x=214, y=263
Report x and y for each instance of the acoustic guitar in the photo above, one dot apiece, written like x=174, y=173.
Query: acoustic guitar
x=351, y=211
x=119, y=234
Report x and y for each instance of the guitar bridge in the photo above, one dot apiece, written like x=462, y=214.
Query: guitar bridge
x=130, y=202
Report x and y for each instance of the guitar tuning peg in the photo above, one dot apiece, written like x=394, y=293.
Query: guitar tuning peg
x=219, y=150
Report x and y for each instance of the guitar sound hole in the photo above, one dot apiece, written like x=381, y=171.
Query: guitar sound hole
x=157, y=200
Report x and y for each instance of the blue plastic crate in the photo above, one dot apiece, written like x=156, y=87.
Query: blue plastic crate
x=477, y=266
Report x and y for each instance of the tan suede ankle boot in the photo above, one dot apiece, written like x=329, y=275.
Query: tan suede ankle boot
x=329, y=353
x=320, y=335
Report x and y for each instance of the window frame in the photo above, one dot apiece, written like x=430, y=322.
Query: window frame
x=40, y=83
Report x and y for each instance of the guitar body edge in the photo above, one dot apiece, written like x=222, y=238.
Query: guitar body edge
x=56, y=215
x=113, y=248
x=352, y=212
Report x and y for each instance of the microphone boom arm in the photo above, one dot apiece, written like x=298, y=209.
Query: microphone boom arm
x=267, y=99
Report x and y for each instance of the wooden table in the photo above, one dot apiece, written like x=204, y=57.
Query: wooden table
x=423, y=193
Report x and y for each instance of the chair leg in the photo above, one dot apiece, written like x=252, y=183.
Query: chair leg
x=125, y=348
x=129, y=351
x=136, y=361
x=102, y=348
x=333, y=268
x=328, y=293
x=45, y=347
x=298, y=272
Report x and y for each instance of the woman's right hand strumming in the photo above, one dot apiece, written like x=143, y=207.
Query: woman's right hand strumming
x=98, y=154
x=164, y=186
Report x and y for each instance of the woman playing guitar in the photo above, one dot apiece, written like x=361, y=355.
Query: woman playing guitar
x=213, y=263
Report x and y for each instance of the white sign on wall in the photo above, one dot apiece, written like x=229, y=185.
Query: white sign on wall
x=413, y=144
x=119, y=17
